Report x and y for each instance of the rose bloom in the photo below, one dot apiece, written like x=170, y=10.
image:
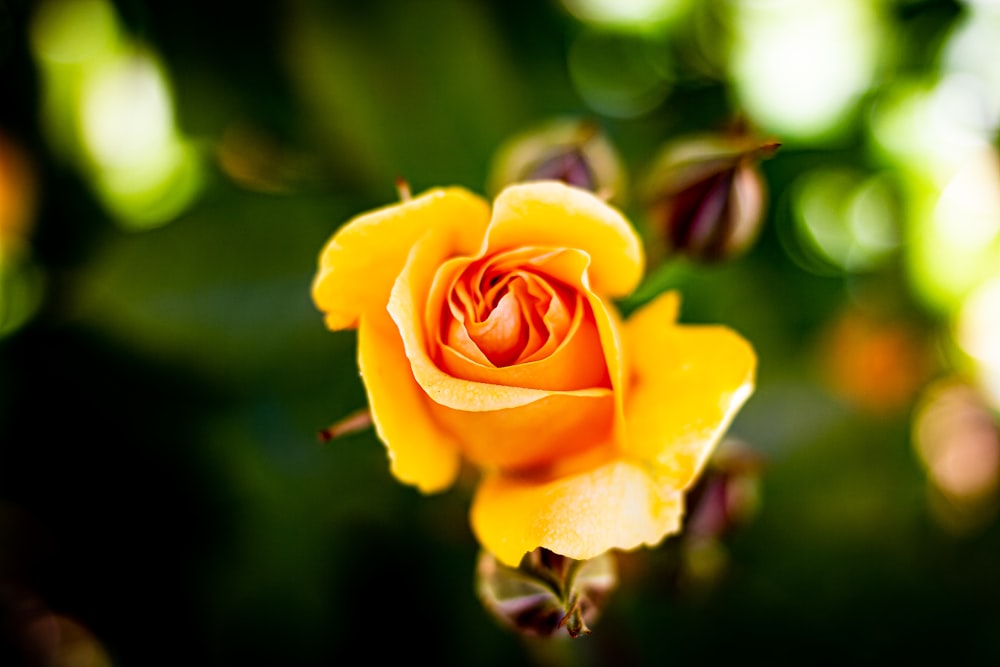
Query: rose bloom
x=489, y=336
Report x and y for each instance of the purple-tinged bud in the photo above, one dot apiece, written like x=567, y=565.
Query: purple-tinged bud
x=566, y=164
x=705, y=196
x=547, y=593
x=725, y=498
x=727, y=495
x=566, y=149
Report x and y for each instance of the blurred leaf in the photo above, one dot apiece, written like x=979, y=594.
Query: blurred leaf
x=389, y=97
x=225, y=289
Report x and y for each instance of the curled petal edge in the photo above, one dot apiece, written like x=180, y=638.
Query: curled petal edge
x=618, y=505
x=359, y=263
x=686, y=385
x=551, y=213
x=407, y=310
x=421, y=453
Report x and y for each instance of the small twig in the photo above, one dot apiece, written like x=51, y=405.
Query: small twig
x=355, y=422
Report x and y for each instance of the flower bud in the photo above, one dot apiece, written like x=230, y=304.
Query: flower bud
x=725, y=498
x=570, y=150
x=547, y=592
x=705, y=196
x=727, y=495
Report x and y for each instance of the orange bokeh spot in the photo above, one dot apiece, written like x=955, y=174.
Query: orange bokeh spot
x=876, y=363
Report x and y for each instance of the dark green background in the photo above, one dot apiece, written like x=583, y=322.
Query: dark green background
x=161, y=482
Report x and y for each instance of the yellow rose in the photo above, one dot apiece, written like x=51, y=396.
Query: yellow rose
x=490, y=336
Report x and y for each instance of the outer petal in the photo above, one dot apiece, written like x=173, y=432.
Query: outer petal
x=551, y=213
x=420, y=452
x=536, y=435
x=687, y=384
x=618, y=505
x=360, y=262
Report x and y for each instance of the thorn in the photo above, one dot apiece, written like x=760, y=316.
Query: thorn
x=403, y=188
x=355, y=422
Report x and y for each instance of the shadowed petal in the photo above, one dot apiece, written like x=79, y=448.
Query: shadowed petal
x=538, y=434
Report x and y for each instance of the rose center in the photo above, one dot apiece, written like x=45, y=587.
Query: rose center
x=510, y=314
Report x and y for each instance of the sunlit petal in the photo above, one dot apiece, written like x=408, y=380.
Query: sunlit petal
x=359, y=264
x=420, y=452
x=686, y=385
x=549, y=213
x=619, y=505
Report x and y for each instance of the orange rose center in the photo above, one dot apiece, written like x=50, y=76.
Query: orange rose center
x=510, y=315
x=517, y=318
x=520, y=318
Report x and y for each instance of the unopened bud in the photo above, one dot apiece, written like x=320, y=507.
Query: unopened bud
x=727, y=494
x=567, y=165
x=570, y=150
x=547, y=593
x=725, y=498
x=705, y=196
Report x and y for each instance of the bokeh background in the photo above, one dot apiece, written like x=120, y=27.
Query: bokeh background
x=170, y=170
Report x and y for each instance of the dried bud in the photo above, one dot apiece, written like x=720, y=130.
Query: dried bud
x=705, y=196
x=727, y=494
x=547, y=592
x=569, y=150
x=725, y=498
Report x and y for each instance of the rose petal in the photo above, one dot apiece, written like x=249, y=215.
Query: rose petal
x=527, y=272
x=578, y=364
x=406, y=307
x=535, y=435
x=561, y=316
x=362, y=259
x=575, y=359
x=502, y=335
x=687, y=384
x=420, y=452
x=609, y=329
x=618, y=505
x=551, y=213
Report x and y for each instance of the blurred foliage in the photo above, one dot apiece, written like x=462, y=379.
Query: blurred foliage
x=170, y=170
